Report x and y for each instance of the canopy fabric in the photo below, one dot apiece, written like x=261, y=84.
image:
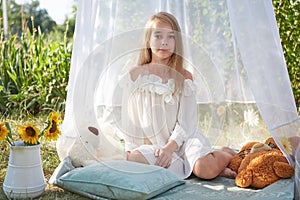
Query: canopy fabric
x=232, y=48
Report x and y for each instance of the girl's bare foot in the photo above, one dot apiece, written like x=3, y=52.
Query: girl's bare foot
x=228, y=173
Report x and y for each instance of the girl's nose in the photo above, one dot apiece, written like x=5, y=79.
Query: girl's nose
x=164, y=42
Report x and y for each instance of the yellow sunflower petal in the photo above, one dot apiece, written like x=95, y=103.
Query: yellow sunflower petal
x=52, y=132
x=29, y=134
x=54, y=116
x=3, y=131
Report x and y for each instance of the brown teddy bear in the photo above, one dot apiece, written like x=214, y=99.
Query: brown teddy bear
x=236, y=160
x=263, y=165
x=245, y=150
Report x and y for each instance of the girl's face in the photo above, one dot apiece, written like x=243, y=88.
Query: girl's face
x=162, y=42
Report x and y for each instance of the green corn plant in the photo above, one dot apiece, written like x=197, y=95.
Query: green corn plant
x=34, y=73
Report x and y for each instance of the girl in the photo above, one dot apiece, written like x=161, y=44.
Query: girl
x=159, y=110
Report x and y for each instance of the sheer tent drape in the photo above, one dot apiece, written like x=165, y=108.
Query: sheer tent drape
x=262, y=56
x=232, y=48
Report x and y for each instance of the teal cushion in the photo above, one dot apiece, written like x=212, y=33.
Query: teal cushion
x=119, y=180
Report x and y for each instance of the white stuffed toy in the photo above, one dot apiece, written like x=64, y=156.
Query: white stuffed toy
x=95, y=145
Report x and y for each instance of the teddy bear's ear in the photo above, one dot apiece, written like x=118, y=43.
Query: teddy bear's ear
x=271, y=143
x=247, y=146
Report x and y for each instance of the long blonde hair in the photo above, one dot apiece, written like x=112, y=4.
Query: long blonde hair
x=176, y=60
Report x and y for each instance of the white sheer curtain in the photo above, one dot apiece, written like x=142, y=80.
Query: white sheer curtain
x=232, y=48
x=262, y=56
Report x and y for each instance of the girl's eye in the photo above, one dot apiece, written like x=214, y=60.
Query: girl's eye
x=157, y=36
x=172, y=36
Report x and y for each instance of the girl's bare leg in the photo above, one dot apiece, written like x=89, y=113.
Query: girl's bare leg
x=228, y=150
x=136, y=156
x=214, y=164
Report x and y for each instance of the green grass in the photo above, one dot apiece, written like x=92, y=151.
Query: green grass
x=50, y=161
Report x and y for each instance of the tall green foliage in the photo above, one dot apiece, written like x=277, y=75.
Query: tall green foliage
x=288, y=20
x=33, y=73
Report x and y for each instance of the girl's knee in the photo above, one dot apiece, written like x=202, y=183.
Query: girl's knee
x=205, y=169
x=136, y=156
x=210, y=166
x=133, y=155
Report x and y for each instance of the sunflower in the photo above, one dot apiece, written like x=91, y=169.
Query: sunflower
x=285, y=143
x=29, y=134
x=52, y=131
x=3, y=131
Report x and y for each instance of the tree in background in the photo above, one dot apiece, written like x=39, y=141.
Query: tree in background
x=34, y=16
x=69, y=23
x=28, y=15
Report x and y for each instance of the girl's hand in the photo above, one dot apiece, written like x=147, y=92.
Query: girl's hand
x=164, y=157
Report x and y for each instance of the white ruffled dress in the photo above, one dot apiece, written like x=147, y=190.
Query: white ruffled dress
x=152, y=115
